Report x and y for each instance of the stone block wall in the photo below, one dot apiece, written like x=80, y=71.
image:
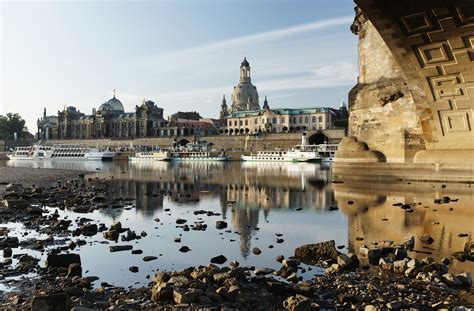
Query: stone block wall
x=382, y=108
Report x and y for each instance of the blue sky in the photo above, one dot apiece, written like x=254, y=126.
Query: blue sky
x=183, y=55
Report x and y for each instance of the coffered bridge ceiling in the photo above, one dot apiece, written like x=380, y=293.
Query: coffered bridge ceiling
x=433, y=42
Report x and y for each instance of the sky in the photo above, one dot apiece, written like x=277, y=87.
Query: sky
x=181, y=54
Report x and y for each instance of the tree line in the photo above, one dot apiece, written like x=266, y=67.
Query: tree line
x=12, y=123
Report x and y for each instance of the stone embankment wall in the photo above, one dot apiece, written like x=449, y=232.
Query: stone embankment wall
x=245, y=143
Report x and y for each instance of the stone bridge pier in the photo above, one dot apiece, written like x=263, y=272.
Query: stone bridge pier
x=414, y=99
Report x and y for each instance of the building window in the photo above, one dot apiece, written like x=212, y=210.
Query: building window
x=282, y=120
x=256, y=121
x=320, y=119
x=246, y=122
x=263, y=120
x=301, y=119
x=235, y=123
x=314, y=119
x=274, y=120
x=229, y=123
x=306, y=119
x=240, y=122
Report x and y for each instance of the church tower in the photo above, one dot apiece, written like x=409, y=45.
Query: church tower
x=224, y=108
x=265, y=103
x=245, y=95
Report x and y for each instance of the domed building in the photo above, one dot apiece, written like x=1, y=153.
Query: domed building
x=115, y=104
x=110, y=120
x=245, y=95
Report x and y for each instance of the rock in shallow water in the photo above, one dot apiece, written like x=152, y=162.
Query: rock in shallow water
x=219, y=259
x=119, y=248
x=62, y=260
x=313, y=253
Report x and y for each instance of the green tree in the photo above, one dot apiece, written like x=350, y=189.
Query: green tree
x=12, y=123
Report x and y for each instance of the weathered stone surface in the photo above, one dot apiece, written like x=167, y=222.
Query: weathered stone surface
x=313, y=253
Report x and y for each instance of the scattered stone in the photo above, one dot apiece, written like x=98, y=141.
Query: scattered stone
x=133, y=269
x=119, y=248
x=219, y=259
x=426, y=239
x=184, y=249
x=220, y=224
x=149, y=258
x=256, y=251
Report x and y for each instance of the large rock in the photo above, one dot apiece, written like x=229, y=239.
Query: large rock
x=62, y=260
x=162, y=292
x=297, y=303
x=219, y=259
x=313, y=253
x=188, y=295
x=89, y=229
x=74, y=269
x=53, y=302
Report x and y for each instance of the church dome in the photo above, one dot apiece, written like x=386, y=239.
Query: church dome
x=115, y=104
x=245, y=95
x=105, y=107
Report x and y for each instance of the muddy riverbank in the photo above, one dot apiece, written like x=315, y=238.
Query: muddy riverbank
x=44, y=264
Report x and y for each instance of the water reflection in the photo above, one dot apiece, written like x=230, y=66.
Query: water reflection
x=373, y=216
x=243, y=190
x=259, y=200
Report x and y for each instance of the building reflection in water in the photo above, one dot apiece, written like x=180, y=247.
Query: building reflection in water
x=373, y=216
x=253, y=187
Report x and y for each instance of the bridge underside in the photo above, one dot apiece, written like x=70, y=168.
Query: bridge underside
x=414, y=100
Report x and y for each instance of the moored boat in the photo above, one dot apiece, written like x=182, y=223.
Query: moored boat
x=200, y=151
x=150, y=156
x=60, y=152
x=299, y=153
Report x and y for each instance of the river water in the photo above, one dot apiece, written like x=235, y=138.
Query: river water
x=260, y=202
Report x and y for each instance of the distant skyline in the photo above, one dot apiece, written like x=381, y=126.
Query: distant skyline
x=183, y=55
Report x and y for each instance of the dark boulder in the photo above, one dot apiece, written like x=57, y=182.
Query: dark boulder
x=313, y=253
x=62, y=260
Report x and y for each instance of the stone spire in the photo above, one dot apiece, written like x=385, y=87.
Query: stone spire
x=265, y=103
x=343, y=105
x=224, y=109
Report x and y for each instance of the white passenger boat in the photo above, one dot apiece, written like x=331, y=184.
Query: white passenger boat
x=197, y=152
x=60, y=152
x=294, y=155
x=327, y=152
x=198, y=156
x=299, y=153
x=150, y=156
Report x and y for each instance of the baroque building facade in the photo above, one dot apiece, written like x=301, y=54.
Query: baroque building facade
x=111, y=121
x=245, y=116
